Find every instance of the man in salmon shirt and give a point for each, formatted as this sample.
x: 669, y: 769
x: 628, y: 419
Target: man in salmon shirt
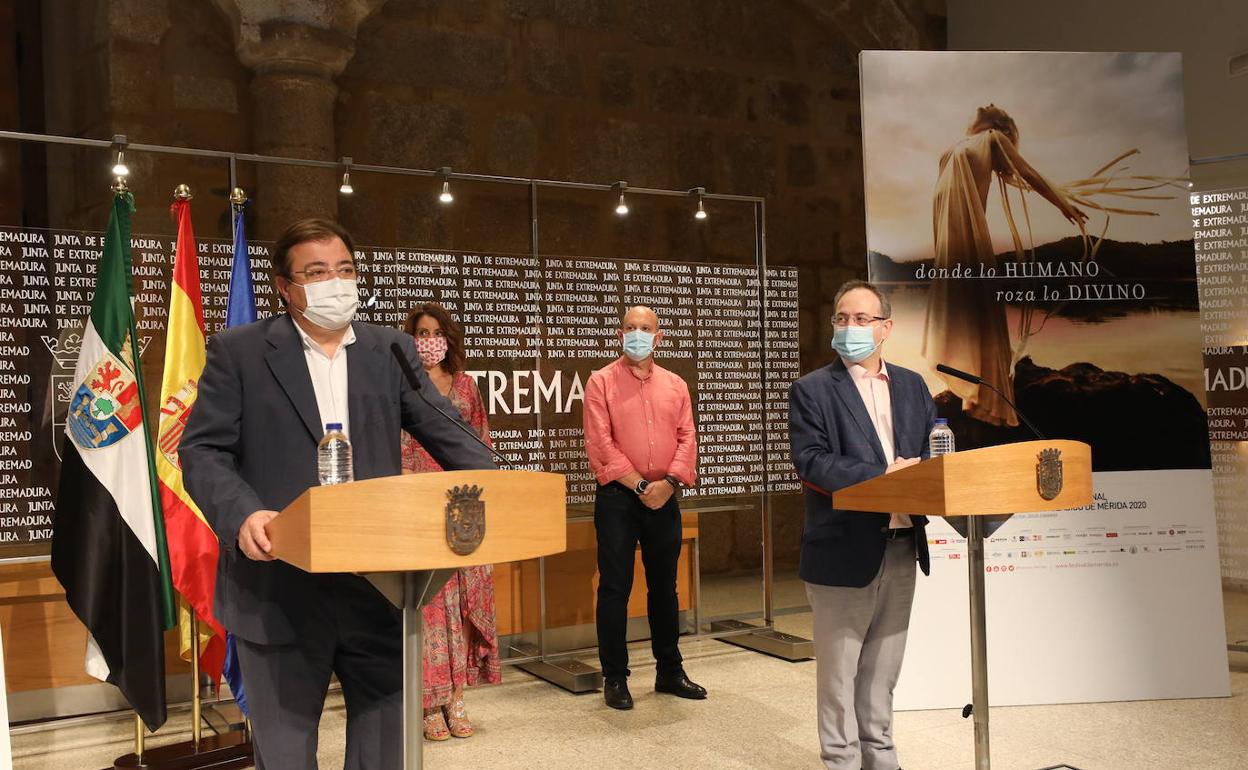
x: 642, y: 446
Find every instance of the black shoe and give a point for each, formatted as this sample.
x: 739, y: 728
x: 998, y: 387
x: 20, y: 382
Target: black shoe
x: 679, y: 685
x: 615, y: 692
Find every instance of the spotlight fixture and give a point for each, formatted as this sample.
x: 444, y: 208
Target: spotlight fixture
x: 621, y: 208
x: 120, y: 169
x: 345, y: 188
x: 701, y: 212
x: 445, y: 196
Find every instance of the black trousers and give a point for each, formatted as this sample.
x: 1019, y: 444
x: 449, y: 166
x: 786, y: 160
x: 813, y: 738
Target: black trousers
x: 355, y: 633
x: 622, y: 522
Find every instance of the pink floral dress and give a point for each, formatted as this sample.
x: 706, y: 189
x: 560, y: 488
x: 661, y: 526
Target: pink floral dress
x: 461, y: 636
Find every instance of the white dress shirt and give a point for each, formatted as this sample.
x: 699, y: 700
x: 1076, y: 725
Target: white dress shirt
x: 873, y: 387
x: 329, y: 378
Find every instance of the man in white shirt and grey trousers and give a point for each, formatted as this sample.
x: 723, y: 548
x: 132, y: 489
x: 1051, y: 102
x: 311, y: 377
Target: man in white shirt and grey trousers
x: 850, y: 421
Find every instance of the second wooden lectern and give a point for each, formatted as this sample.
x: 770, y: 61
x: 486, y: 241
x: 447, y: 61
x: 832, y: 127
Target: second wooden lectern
x: 1014, y: 478
x: 417, y: 528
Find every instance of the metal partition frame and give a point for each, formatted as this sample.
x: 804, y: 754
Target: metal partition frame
x: 542, y: 654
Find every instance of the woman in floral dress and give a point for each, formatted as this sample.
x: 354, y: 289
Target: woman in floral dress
x: 461, y: 638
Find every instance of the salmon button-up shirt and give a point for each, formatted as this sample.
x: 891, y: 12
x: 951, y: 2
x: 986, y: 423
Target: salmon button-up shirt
x: 643, y: 425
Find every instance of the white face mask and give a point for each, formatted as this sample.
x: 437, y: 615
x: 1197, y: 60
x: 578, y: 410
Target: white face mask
x: 331, y: 303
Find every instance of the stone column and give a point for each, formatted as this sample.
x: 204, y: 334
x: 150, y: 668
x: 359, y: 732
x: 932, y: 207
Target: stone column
x: 296, y: 48
x: 293, y: 95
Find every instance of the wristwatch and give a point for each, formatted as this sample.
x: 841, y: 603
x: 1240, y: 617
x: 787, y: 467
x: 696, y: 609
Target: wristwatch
x: 641, y: 486
x: 675, y: 482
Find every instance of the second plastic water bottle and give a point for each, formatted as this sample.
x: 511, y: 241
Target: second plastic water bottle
x: 333, y: 456
x: 941, y: 438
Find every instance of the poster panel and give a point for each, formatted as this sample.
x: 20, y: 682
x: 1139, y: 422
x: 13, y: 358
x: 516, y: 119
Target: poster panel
x: 1027, y: 214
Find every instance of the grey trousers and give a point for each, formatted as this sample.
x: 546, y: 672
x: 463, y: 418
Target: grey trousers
x: 860, y: 638
x: 357, y: 635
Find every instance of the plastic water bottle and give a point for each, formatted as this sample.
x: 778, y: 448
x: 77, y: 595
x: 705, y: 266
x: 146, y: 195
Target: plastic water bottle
x: 333, y: 456
x: 941, y: 438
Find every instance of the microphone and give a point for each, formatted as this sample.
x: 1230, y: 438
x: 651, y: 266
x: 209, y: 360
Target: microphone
x: 414, y: 381
x: 961, y: 375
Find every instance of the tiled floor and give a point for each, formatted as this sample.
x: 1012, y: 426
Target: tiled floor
x: 761, y: 715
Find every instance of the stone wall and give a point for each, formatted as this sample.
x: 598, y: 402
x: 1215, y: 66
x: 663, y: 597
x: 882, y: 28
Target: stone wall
x: 752, y: 98
x: 10, y: 117
x: 738, y: 96
x: 159, y: 72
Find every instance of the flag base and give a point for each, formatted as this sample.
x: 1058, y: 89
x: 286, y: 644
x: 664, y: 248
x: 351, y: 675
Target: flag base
x: 216, y: 752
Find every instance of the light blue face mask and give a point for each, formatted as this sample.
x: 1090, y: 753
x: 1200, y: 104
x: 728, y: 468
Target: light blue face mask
x: 854, y: 343
x: 638, y: 345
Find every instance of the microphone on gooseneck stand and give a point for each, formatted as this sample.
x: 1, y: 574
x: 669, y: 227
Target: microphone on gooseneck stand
x: 414, y: 381
x: 961, y: 375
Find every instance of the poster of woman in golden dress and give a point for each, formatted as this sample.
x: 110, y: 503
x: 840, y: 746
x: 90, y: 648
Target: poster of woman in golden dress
x: 966, y: 327
x: 1071, y: 286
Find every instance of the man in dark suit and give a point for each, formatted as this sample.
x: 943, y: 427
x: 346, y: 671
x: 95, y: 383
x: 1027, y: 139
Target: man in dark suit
x: 250, y: 448
x: 848, y: 422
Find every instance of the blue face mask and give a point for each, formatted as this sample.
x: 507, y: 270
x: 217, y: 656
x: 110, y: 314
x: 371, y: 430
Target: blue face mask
x: 638, y: 345
x: 854, y: 343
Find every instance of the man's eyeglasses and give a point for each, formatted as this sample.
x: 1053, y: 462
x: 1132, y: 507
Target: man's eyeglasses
x: 323, y: 273
x: 858, y: 319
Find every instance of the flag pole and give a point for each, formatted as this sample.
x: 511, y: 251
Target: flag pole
x: 238, y: 200
x: 183, y: 193
x: 119, y: 187
x: 195, y: 688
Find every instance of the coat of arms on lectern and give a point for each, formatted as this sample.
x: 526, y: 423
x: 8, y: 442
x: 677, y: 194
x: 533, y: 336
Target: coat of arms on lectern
x: 1049, y: 473
x: 465, y: 519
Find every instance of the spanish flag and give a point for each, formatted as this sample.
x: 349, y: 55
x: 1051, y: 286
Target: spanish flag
x: 192, y: 544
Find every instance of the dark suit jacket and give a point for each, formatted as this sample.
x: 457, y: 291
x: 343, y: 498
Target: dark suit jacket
x: 250, y: 445
x: 834, y: 446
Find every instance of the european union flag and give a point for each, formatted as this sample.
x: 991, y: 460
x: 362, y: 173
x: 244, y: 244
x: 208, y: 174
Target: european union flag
x: 240, y: 309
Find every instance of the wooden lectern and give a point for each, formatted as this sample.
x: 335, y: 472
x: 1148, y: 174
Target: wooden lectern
x: 415, y: 529
x: 1014, y: 478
